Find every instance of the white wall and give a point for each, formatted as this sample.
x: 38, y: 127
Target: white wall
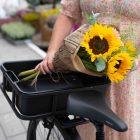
x: 9, y: 7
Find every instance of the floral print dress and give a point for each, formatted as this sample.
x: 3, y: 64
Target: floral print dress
x: 125, y: 96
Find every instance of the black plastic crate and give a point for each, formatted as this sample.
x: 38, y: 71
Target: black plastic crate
x: 46, y: 97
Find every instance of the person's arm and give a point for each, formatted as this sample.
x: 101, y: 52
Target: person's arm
x: 61, y: 29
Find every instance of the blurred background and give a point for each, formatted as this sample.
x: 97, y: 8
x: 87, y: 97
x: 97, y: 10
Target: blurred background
x: 25, y: 32
x: 32, y: 19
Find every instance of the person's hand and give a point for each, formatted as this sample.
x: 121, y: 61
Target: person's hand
x: 46, y: 66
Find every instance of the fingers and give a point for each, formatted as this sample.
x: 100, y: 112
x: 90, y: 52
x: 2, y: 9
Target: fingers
x: 46, y: 66
x: 50, y: 64
x: 42, y: 68
x: 37, y: 67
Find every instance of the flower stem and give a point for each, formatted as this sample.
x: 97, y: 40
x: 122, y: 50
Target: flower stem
x: 32, y: 76
x: 28, y: 72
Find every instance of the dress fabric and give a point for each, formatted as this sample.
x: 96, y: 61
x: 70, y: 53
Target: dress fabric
x: 125, y: 96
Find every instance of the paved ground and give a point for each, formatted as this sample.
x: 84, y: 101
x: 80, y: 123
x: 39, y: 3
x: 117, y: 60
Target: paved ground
x: 11, y: 128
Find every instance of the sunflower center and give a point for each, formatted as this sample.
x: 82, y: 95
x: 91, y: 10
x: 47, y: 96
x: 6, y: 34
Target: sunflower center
x: 117, y: 66
x: 98, y: 45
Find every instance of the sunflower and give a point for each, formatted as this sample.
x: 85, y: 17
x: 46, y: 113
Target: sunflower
x: 130, y: 45
x: 118, y: 66
x: 131, y: 49
x: 101, y: 40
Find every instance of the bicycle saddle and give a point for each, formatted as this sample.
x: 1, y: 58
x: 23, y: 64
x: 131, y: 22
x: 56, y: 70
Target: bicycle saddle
x: 92, y: 104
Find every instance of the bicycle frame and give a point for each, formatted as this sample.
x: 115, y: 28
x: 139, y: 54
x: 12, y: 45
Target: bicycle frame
x: 70, y: 132
x: 11, y: 83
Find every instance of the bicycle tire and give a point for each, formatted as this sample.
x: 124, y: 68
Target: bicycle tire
x: 32, y: 131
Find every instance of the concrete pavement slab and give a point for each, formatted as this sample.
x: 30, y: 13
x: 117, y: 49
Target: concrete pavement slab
x: 11, y: 125
x: 25, y: 124
x: 4, y: 107
x: 2, y: 136
x: 11, y: 128
x: 18, y: 137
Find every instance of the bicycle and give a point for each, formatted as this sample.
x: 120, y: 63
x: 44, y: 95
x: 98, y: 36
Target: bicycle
x: 48, y: 104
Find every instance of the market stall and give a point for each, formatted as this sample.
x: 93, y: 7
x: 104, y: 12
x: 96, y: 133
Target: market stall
x: 32, y: 20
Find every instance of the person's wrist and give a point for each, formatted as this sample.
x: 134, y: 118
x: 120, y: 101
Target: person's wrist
x: 52, y: 50
x: 50, y: 53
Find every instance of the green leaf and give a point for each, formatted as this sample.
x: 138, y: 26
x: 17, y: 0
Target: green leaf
x: 18, y: 30
x: 131, y: 53
x: 89, y: 65
x: 100, y: 64
x: 83, y: 54
x: 124, y: 37
x: 92, y: 17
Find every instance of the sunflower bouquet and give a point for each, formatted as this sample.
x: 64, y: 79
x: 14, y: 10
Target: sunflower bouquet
x: 98, y: 50
x: 104, y: 51
x: 95, y: 49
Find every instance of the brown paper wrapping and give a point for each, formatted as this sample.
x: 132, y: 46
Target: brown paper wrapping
x: 66, y: 59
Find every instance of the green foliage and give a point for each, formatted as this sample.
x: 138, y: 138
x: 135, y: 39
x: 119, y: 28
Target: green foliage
x: 83, y: 54
x: 89, y: 65
x: 91, y: 18
x: 100, y: 64
x: 130, y: 52
x: 86, y: 60
x: 18, y: 30
x: 124, y: 37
